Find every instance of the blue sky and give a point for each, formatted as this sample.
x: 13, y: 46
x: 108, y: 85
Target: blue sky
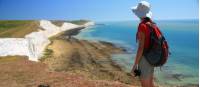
x: 98, y: 10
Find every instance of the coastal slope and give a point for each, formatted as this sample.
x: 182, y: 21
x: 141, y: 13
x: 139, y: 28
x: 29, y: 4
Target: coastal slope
x: 18, y: 71
x: 67, y: 62
x: 89, y: 59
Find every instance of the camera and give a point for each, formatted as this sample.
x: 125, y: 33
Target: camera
x: 137, y: 72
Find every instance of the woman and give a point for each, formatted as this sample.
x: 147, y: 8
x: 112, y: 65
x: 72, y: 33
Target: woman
x: 142, y: 11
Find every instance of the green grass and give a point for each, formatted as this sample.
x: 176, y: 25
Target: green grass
x: 60, y: 22
x: 17, y: 28
x: 11, y: 58
x: 20, y: 28
x: 10, y: 24
x: 57, y: 22
x: 47, y: 53
x: 79, y: 22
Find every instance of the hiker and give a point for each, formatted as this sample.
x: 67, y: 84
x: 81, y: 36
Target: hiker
x: 152, y: 48
x: 142, y: 11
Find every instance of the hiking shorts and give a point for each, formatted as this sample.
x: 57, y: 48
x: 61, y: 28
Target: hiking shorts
x: 146, y: 69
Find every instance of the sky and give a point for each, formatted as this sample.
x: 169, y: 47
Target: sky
x: 97, y: 10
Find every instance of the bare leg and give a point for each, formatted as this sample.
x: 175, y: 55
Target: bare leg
x: 151, y: 81
x: 147, y: 82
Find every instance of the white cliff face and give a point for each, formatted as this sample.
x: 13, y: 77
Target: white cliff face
x: 13, y: 46
x: 34, y: 43
x: 89, y: 24
x: 68, y: 26
x: 37, y: 41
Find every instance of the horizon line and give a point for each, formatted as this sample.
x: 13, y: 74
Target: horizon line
x: 101, y: 20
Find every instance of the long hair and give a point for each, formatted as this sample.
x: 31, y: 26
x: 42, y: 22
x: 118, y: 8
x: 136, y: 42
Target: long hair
x: 147, y: 19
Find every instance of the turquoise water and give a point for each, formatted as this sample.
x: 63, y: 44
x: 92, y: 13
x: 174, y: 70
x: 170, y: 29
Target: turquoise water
x: 182, y: 36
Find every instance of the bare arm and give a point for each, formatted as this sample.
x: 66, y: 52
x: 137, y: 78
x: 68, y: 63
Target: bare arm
x: 140, y: 47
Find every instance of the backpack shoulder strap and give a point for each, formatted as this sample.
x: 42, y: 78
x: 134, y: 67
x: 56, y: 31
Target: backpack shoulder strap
x: 152, y: 34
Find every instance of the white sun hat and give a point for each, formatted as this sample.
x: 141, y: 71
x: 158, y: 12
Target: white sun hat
x: 142, y: 10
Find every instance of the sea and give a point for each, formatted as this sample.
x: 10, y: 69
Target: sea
x: 182, y: 67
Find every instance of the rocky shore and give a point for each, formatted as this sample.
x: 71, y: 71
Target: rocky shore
x: 89, y: 59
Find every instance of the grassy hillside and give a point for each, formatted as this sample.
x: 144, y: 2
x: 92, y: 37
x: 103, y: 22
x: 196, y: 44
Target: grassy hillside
x: 20, y: 28
x: 60, y: 22
x: 17, y: 28
x: 79, y: 22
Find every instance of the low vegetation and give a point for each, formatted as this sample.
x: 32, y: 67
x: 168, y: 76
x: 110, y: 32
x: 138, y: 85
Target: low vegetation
x: 10, y: 58
x: 20, y: 28
x: 79, y: 22
x: 47, y: 53
x: 17, y: 28
x: 60, y: 22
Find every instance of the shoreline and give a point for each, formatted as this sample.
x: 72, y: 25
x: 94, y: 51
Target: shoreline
x: 73, y: 56
x: 174, y: 75
x: 82, y: 57
x: 76, y: 46
x: 33, y: 44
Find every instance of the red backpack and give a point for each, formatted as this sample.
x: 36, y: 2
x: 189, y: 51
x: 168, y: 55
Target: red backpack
x: 158, y: 51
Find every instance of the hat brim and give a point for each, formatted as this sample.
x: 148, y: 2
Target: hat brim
x: 134, y: 9
x: 141, y: 14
